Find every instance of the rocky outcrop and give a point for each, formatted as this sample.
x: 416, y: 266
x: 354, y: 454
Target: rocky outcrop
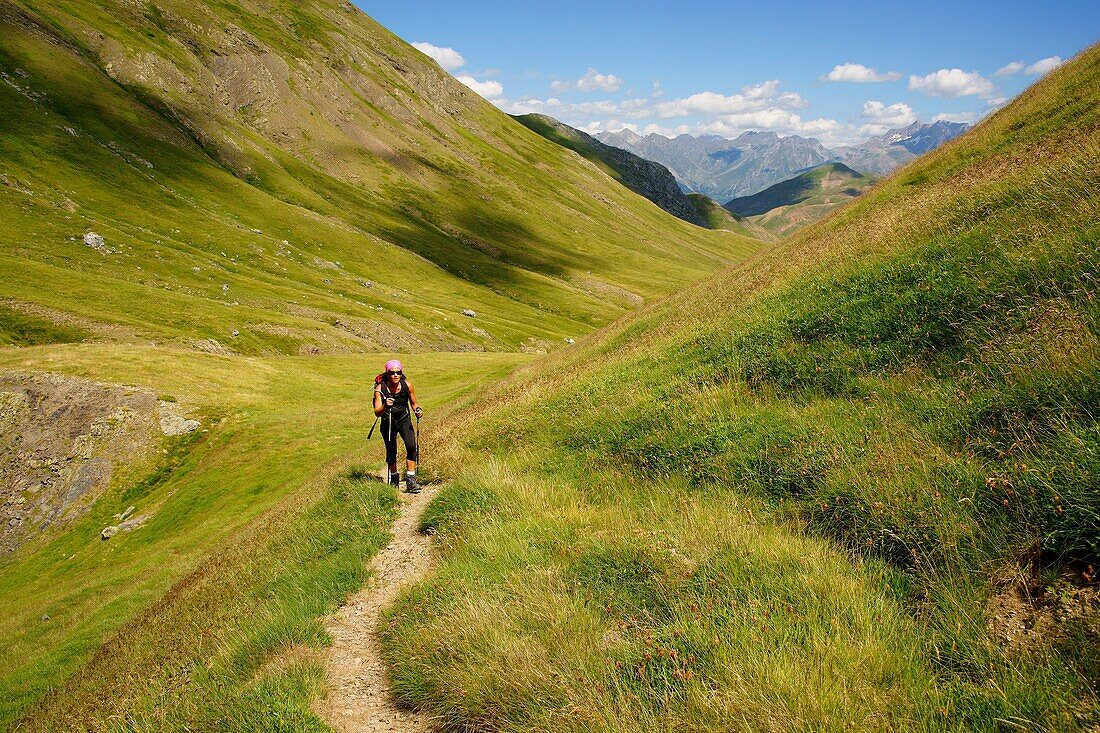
x: 96, y: 242
x: 63, y: 439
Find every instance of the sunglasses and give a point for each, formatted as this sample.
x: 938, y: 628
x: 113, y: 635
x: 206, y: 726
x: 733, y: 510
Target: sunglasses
x: 397, y: 373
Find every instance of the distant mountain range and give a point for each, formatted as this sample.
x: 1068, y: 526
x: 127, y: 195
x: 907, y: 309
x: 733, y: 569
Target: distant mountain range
x: 644, y: 177
x: 725, y: 169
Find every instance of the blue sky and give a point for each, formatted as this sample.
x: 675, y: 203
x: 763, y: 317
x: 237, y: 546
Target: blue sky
x: 840, y: 72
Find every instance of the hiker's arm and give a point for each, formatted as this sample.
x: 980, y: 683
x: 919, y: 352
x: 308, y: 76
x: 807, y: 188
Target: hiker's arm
x: 412, y: 399
x: 379, y: 405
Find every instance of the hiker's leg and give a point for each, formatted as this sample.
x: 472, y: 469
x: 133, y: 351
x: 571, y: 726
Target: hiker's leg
x: 412, y: 450
x: 389, y: 437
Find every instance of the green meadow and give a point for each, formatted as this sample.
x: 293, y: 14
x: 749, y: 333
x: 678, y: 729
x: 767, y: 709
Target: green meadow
x: 367, y: 220
x: 260, y: 524
x: 287, y: 195
x: 818, y: 507
x: 844, y: 481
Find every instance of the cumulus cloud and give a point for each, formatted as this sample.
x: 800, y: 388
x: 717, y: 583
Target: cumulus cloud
x: 763, y: 90
x: 527, y: 106
x: 448, y: 58
x: 894, y: 116
x: 612, y: 125
x: 968, y: 117
x: 1044, y: 66
x: 782, y: 122
x: 753, y: 98
x: 1013, y: 67
x: 762, y: 107
x: 952, y: 83
x: 592, y: 81
x: 487, y: 89
x: 859, y: 74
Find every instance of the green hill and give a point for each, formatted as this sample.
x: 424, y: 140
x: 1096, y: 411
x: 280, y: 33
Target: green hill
x: 792, y: 204
x: 644, y: 177
x: 848, y: 485
x: 718, y: 217
x: 284, y: 177
x: 236, y: 211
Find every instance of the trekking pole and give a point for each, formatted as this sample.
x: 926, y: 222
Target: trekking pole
x: 419, y: 447
x: 372, y: 427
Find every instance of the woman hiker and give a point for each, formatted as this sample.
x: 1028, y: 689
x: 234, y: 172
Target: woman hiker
x: 393, y: 396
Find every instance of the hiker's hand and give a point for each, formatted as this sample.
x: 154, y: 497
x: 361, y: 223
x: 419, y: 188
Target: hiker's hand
x: 419, y: 412
x: 389, y: 402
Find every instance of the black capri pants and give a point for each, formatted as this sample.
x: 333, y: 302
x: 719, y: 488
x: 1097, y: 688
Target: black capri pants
x: 391, y: 429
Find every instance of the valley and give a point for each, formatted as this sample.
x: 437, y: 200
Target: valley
x: 825, y: 458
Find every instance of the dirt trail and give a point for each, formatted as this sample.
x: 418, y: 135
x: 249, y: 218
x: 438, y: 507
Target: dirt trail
x: 359, y: 700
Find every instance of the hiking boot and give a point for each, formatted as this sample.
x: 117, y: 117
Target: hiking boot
x: 410, y: 484
x: 395, y: 479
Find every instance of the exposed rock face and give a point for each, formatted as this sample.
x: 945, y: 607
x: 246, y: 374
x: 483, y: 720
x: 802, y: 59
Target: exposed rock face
x: 644, y: 177
x: 128, y: 526
x: 172, y: 422
x: 61, y: 441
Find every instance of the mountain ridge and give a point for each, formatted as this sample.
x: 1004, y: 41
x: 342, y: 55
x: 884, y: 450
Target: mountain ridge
x: 645, y: 177
x: 726, y: 168
x: 802, y: 199
x: 304, y: 147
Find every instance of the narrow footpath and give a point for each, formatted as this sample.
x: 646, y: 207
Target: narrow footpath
x: 359, y: 699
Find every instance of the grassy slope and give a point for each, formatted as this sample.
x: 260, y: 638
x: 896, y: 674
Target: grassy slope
x: 536, y: 123
x: 719, y: 218
x: 253, y: 166
x: 790, y: 513
x: 792, y: 204
x: 197, y: 138
x: 262, y: 485
x: 644, y: 177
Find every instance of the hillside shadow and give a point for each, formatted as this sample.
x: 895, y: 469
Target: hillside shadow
x: 475, y: 241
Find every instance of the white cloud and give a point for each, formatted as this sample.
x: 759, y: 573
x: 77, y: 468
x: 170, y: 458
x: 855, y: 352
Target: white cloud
x: 1044, y: 66
x: 487, y: 89
x: 612, y: 125
x: 658, y: 90
x: 1013, y: 67
x: 783, y: 122
x: 968, y: 117
x: 752, y: 98
x: 448, y: 58
x: 859, y: 73
x: 592, y: 81
x: 952, y: 83
x: 522, y: 106
x: 895, y: 115
x: 761, y: 107
x: 763, y: 90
